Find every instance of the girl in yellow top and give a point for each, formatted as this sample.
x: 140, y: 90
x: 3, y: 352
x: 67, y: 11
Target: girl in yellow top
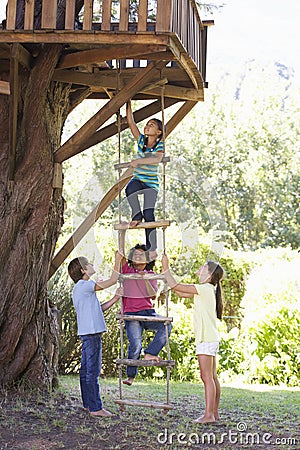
x: 208, y: 306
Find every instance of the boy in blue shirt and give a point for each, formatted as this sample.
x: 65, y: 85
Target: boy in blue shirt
x: 91, y: 325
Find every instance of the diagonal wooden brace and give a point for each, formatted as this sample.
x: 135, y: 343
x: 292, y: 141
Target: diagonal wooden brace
x: 74, y: 144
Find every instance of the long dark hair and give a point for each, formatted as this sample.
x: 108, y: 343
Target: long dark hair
x: 160, y: 127
x: 149, y: 264
x: 217, y: 273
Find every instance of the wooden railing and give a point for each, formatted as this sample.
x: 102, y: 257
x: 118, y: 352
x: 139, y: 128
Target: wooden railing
x: 177, y: 16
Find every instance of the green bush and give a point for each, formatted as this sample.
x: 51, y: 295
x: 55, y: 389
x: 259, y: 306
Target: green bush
x: 276, y: 356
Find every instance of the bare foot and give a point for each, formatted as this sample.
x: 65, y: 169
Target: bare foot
x: 149, y: 357
x: 205, y: 419
x: 134, y: 223
x: 128, y: 381
x: 217, y: 417
x: 102, y: 413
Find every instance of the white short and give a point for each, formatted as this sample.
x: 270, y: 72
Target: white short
x: 207, y: 348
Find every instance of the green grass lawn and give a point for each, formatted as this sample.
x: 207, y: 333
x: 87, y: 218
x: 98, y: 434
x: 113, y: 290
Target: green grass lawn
x: 252, y: 417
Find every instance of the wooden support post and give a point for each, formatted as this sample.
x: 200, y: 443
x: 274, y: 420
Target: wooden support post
x: 13, y: 110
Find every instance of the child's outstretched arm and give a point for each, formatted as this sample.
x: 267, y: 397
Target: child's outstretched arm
x: 100, y: 285
x: 113, y: 300
x: 130, y: 120
x: 182, y: 290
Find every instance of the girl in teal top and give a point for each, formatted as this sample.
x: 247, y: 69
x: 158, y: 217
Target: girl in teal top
x: 208, y: 307
x: 145, y: 176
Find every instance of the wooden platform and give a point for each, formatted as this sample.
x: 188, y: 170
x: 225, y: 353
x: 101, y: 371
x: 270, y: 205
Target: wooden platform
x: 145, y: 363
x: 156, y: 224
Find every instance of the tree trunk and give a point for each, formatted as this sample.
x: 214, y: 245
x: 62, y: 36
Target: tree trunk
x: 31, y: 215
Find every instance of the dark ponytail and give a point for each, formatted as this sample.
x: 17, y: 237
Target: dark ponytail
x: 216, y: 276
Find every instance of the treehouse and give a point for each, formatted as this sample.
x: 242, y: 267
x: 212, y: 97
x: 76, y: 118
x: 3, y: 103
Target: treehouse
x: 110, y: 50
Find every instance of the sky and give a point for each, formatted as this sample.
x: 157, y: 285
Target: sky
x: 265, y: 30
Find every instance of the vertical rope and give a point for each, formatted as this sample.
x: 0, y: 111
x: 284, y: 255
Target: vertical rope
x: 162, y: 101
x: 119, y: 141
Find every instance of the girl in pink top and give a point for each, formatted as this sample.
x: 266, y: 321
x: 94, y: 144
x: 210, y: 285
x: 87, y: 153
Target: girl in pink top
x: 137, y: 300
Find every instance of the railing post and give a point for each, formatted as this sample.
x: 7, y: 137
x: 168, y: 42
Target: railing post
x: 11, y: 14
x: 88, y: 15
x: 29, y: 15
x: 49, y: 8
x: 70, y: 15
x: 143, y: 15
x: 163, y: 15
x: 106, y: 15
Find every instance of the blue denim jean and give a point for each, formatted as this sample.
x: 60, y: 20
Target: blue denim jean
x: 133, y: 189
x: 134, y: 331
x: 91, y: 358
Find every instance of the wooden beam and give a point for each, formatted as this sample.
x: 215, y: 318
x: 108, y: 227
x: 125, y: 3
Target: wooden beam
x: 24, y: 57
x: 4, y: 87
x: 72, y: 146
x: 98, y: 55
x: 179, y: 92
x: 111, y: 130
x: 88, y: 38
x: 108, y: 78
x: 86, y: 225
x: 13, y: 109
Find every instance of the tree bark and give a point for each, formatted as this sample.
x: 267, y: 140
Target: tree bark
x: 31, y: 215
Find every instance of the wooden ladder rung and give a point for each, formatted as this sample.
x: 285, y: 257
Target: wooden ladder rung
x: 124, y: 165
x: 145, y: 362
x: 137, y: 276
x: 156, y: 405
x: 156, y: 224
x: 144, y: 318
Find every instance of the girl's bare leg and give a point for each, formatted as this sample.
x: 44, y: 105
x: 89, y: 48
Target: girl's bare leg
x: 206, y: 372
x: 218, y: 389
